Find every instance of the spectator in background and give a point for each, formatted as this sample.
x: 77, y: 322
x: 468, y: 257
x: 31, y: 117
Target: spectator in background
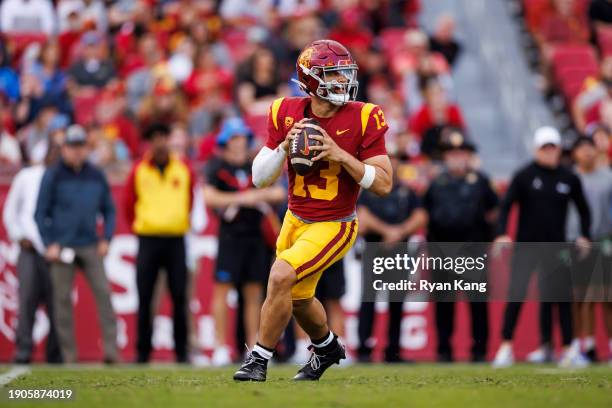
x: 244, y: 256
x: 34, y: 137
x: 208, y: 90
x: 90, y: 13
x: 542, y: 189
x: 73, y: 195
x: 461, y: 204
x: 107, y: 151
x: 415, y: 48
x: 586, y: 105
x: 351, y: 32
x: 9, y: 80
x: 138, y: 67
x: 600, y: 13
x: 394, y: 218
x: 209, y: 84
x: 10, y: 153
x: 603, y: 144
x: 443, y: 39
x: 94, y: 69
x: 414, y: 80
x: 166, y: 104
x: 565, y: 24
x: 46, y: 84
x: 158, y: 202
x: 69, y: 38
x: 32, y: 268
x: 259, y: 82
x: 117, y: 124
x: 27, y: 16
x: 597, y: 184
x: 437, y: 110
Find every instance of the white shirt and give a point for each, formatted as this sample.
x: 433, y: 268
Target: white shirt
x: 20, y: 205
x: 32, y: 16
x: 94, y: 11
x: 9, y: 149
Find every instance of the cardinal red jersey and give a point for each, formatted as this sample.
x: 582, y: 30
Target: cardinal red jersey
x: 328, y: 192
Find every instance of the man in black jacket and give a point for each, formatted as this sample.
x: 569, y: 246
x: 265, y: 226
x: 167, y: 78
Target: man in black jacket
x: 543, y: 190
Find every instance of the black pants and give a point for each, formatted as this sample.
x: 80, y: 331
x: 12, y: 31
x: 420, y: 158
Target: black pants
x: 366, y: 324
x: 155, y: 253
x: 554, y: 283
x: 445, y: 325
x: 34, y: 289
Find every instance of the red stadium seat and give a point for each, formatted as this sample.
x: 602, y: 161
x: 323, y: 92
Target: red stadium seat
x: 17, y: 43
x: 84, y: 107
x: 238, y: 44
x: 604, y: 39
x: 579, y: 56
x: 576, y: 74
x: 391, y: 39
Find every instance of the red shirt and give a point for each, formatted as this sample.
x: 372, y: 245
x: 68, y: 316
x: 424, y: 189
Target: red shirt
x: 329, y: 192
x: 423, y: 119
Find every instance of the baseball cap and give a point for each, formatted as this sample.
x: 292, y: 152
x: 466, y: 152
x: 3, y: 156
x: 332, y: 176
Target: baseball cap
x: 75, y: 135
x: 233, y: 127
x: 455, y: 139
x: 546, y: 135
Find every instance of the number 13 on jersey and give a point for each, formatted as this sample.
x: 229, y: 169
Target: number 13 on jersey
x: 330, y: 174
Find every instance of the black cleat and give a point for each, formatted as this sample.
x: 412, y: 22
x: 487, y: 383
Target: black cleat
x: 319, y: 362
x: 253, y: 369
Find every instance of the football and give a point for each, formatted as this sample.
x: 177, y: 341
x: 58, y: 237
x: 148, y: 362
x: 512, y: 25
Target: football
x: 300, y: 152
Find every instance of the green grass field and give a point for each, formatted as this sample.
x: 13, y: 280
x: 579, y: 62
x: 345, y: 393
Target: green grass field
x: 367, y: 386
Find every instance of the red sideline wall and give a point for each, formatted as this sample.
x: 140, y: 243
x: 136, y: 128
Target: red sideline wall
x: 418, y: 332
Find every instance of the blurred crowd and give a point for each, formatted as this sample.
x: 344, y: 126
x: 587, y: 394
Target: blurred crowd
x: 115, y: 66
x: 112, y: 82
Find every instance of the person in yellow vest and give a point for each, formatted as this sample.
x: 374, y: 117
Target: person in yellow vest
x: 158, y: 201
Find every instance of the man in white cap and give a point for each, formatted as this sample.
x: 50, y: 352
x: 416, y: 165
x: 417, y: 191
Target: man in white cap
x: 543, y: 190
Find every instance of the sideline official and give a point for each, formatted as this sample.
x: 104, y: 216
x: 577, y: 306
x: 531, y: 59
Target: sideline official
x: 158, y: 201
x: 460, y: 203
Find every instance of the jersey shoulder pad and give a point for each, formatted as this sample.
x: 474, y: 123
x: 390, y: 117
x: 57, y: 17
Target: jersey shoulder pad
x: 283, y: 108
x: 366, y: 112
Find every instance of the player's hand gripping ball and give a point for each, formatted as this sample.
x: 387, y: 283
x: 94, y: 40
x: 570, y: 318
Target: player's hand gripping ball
x: 300, y: 152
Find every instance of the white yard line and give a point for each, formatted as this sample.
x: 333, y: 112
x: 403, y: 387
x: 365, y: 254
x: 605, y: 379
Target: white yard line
x: 12, y: 374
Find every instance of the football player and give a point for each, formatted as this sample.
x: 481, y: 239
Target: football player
x: 320, y: 225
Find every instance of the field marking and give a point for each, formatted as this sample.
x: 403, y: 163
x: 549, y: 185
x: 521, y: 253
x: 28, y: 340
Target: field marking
x: 12, y: 374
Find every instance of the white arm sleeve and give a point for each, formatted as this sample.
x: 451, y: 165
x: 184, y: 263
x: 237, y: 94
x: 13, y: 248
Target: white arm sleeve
x: 267, y: 166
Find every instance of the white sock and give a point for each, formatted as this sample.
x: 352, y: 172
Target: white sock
x: 328, y: 340
x: 575, y: 345
x: 588, y: 343
x: 267, y: 354
x: 302, y: 343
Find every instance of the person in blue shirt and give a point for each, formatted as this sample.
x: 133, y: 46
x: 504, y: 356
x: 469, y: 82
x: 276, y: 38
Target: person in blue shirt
x: 9, y: 80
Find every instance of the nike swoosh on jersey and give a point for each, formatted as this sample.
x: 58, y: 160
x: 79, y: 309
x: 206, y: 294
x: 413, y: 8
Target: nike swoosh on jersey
x: 339, y: 132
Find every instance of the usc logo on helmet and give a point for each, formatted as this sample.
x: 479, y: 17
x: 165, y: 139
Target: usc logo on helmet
x: 305, y: 57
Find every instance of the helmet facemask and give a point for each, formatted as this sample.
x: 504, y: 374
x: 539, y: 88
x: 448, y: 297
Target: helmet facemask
x: 330, y: 88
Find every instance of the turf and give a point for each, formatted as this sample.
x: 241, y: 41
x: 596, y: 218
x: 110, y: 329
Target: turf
x: 367, y: 386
